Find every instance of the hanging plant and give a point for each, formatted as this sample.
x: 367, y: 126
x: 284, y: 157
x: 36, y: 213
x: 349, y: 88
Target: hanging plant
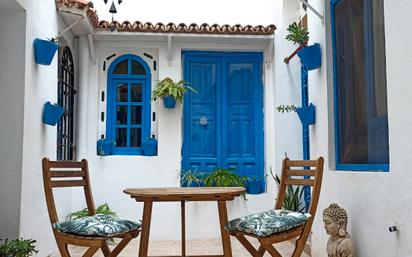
x: 298, y: 34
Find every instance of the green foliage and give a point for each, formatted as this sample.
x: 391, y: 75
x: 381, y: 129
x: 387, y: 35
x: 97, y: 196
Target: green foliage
x: 102, y: 209
x: 286, y: 108
x: 191, y: 178
x: 167, y: 87
x: 225, y: 178
x: 293, y: 196
x: 298, y: 34
x: 18, y: 248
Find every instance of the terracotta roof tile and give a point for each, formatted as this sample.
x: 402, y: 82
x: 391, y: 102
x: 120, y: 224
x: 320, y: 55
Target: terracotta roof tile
x: 204, y: 28
x: 138, y: 26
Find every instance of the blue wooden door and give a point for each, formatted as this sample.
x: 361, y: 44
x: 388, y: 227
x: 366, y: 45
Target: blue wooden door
x: 223, y: 121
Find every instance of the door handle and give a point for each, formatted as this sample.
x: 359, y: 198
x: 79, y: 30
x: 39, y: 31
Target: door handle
x: 203, y: 121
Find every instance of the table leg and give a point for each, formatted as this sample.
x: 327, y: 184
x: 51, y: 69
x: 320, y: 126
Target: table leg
x: 145, y: 229
x: 182, y: 205
x: 227, y: 250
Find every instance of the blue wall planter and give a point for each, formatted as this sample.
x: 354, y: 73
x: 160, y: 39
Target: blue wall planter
x: 310, y: 56
x: 255, y: 186
x: 52, y: 113
x: 44, y: 51
x: 307, y: 115
x: 169, y: 102
x: 104, y: 147
x: 149, y: 147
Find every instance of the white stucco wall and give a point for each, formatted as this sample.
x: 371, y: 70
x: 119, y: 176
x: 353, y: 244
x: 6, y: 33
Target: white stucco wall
x: 374, y: 200
x: 25, y: 87
x: 111, y: 174
x: 12, y: 44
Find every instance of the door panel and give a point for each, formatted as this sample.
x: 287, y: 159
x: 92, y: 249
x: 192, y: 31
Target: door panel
x: 202, y: 115
x: 223, y: 122
x: 242, y: 116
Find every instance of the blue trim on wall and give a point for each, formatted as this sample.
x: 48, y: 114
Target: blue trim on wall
x: 363, y: 167
x: 145, y: 80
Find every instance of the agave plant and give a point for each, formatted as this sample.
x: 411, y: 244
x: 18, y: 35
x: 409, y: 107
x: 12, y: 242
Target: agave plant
x: 167, y: 87
x: 293, y: 196
x: 191, y: 178
x: 298, y: 33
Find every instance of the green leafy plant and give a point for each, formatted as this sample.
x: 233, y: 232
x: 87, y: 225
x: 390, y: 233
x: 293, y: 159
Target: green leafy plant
x: 18, y: 248
x: 225, y: 178
x: 293, y: 196
x: 286, y: 108
x: 298, y: 34
x: 102, y: 209
x: 191, y: 178
x: 167, y: 87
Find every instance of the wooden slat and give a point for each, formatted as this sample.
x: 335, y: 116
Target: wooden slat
x: 65, y: 164
x: 68, y: 183
x: 300, y: 182
x: 301, y: 163
x: 66, y: 173
x: 290, y: 172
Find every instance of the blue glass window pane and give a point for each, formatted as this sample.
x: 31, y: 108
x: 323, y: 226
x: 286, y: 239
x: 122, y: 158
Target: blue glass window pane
x: 121, y: 114
x: 137, y: 68
x: 136, y: 92
x: 122, y: 67
x: 136, y: 114
x: 135, y: 137
x: 122, y: 92
x: 121, y: 137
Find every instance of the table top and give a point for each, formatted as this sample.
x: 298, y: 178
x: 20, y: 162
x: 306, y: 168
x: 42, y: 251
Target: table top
x: 184, y: 193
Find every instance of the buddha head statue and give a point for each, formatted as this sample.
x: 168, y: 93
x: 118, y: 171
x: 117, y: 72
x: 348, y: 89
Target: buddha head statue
x: 335, y: 220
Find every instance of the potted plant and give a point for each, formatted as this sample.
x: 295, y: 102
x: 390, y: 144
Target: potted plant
x: 149, y: 146
x: 307, y: 115
x: 52, y: 113
x: 18, y: 248
x: 170, y: 91
x: 221, y: 177
x: 254, y: 185
x: 191, y: 178
x: 310, y: 56
x: 105, y: 146
x: 44, y: 50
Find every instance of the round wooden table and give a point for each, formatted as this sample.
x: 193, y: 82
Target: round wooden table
x: 183, y: 194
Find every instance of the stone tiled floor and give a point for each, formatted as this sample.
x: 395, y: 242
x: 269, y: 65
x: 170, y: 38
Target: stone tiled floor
x: 195, y: 247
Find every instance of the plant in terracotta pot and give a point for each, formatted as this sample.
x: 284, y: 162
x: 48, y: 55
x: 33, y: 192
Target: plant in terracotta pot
x: 171, y: 91
x: 310, y: 56
x: 18, y: 248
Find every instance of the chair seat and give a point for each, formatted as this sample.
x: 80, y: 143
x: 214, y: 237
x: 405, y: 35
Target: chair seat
x: 267, y: 223
x: 97, y: 225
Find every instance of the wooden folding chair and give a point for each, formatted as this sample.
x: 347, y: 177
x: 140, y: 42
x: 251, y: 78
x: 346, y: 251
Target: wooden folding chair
x: 290, y: 170
x: 75, y: 174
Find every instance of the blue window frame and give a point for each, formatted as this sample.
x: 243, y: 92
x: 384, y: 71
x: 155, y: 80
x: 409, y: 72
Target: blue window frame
x: 361, y: 121
x: 128, y: 104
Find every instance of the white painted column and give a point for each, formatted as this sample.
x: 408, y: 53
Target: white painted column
x: 82, y: 99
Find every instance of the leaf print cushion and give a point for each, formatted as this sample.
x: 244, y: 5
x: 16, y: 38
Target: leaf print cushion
x: 268, y: 222
x: 97, y: 225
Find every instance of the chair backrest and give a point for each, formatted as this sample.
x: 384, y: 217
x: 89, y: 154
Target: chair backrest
x: 294, y: 173
x: 65, y: 174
